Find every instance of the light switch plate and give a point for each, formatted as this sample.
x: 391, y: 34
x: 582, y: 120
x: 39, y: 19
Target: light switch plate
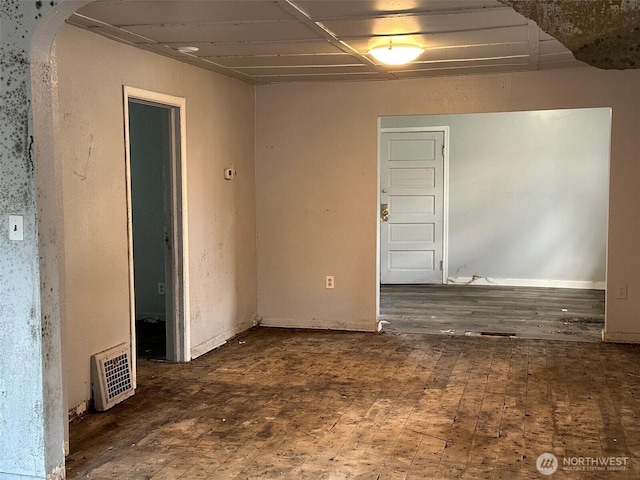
x: 16, y: 228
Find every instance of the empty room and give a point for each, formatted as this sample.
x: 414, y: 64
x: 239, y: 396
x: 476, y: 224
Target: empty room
x: 239, y: 243
x: 520, y: 214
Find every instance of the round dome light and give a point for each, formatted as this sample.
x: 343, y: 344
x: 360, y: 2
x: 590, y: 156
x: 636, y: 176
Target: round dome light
x: 396, y: 54
x: 188, y: 49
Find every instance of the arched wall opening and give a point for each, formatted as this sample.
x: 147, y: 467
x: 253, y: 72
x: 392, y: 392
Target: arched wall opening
x: 80, y: 125
x: 46, y: 134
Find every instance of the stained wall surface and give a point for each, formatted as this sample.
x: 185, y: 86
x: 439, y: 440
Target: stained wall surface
x: 221, y: 214
x: 316, y: 164
x: 31, y: 414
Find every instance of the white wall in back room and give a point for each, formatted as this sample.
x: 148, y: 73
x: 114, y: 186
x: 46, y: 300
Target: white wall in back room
x: 528, y: 195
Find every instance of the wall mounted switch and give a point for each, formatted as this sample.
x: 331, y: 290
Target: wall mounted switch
x: 16, y: 228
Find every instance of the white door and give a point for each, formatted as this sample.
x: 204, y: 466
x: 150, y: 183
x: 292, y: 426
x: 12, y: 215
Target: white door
x: 412, y: 206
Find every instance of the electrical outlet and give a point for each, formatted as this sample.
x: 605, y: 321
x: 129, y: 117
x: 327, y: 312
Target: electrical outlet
x: 160, y: 288
x: 621, y: 292
x: 230, y: 173
x: 329, y: 283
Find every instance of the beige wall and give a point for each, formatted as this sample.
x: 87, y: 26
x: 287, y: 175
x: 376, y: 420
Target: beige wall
x: 222, y: 247
x: 316, y: 190
x: 316, y: 171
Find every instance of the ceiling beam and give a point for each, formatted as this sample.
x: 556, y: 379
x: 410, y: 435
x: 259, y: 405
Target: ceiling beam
x: 328, y: 35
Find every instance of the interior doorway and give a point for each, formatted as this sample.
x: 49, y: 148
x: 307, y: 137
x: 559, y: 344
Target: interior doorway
x: 156, y: 163
x: 526, y: 206
x: 150, y: 150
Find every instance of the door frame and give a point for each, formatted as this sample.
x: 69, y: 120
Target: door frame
x: 179, y: 231
x: 445, y: 213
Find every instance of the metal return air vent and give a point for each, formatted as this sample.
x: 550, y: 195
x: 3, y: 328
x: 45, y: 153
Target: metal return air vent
x: 111, y: 379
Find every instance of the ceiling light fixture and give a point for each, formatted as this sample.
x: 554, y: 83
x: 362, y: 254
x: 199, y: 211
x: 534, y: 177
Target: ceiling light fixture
x: 396, y: 54
x: 188, y: 49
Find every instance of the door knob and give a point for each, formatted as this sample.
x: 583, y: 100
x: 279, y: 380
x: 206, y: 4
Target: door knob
x: 384, y: 212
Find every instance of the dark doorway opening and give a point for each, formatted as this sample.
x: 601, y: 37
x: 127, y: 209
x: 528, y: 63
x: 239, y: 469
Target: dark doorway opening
x: 150, y: 150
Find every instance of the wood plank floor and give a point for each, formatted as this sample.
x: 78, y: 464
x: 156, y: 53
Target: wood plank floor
x: 543, y: 313
x: 287, y: 404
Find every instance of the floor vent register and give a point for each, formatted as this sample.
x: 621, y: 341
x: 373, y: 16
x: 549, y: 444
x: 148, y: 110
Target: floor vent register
x: 111, y: 379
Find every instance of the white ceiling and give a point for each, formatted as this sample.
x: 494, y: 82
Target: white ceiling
x: 323, y: 40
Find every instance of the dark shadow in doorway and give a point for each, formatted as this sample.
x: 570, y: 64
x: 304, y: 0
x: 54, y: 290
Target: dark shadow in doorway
x: 151, y: 339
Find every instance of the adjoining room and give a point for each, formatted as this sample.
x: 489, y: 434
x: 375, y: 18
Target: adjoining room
x: 515, y: 203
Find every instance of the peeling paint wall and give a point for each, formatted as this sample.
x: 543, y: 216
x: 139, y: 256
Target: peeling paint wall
x: 601, y: 33
x: 31, y: 425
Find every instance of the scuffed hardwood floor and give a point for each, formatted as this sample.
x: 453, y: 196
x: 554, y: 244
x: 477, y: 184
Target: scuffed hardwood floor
x: 542, y: 313
x: 290, y: 404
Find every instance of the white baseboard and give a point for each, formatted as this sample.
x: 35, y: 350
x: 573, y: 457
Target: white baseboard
x: 526, y: 282
x: 621, y: 337
x: 317, y: 324
x: 218, y: 340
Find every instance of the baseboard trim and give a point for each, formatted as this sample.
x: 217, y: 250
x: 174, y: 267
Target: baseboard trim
x: 527, y: 282
x: 317, y: 324
x: 218, y: 340
x: 621, y: 337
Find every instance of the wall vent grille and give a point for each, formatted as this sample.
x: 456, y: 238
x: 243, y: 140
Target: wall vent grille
x: 111, y: 378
